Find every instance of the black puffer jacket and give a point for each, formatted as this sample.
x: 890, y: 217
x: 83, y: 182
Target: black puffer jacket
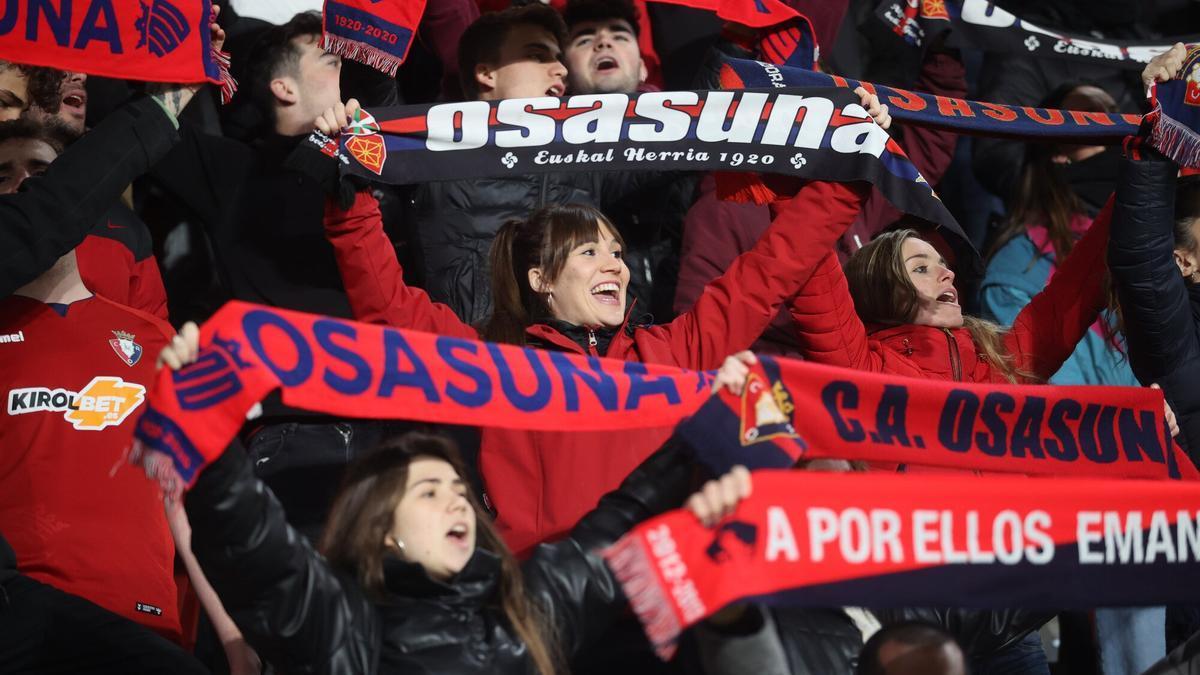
x: 304, y: 617
x: 1161, y: 310
x: 453, y: 224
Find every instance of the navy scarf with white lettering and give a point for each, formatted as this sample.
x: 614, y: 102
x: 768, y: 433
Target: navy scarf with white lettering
x: 812, y: 133
x: 981, y: 24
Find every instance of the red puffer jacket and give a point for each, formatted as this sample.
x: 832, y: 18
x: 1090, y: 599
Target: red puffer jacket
x: 1041, y: 338
x: 541, y: 483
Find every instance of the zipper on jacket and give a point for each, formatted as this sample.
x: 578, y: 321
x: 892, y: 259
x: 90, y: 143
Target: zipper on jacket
x: 592, y: 342
x: 955, y: 358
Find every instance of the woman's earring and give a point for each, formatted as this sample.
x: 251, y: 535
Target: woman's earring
x: 399, y: 545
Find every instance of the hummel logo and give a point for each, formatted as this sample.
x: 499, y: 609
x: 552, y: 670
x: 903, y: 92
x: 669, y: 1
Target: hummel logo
x: 18, y: 336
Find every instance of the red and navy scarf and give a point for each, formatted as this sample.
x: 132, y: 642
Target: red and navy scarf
x: 147, y: 40
x: 890, y: 540
x: 376, y: 33
x: 791, y: 410
x: 981, y: 24
x: 952, y: 114
x: 820, y: 134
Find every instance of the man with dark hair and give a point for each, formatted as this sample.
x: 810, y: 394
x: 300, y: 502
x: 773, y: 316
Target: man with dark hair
x: 516, y: 53
x: 911, y: 648
x: 602, y: 47
x: 291, y: 79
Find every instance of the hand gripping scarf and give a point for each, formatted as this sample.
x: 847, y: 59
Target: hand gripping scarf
x: 372, y: 32
x: 349, y: 369
x: 147, y: 40
x: 820, y: 134
x: 981, y: 24
x: 891, y: 540
x: 1175, y: 120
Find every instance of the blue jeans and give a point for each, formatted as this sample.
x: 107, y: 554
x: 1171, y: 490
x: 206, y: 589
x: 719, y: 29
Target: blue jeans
x: 1023, y: 658
x: 1130, y: 639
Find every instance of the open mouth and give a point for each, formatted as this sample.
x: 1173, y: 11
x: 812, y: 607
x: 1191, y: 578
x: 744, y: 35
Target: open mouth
x: 608, y: 293
x: 949, y: 298
x: 458, y: 534
x: 75, y: 101
x: 556, y: 90
x: 606, y: 63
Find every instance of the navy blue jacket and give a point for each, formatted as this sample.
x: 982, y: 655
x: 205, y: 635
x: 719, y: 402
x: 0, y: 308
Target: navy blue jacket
x: 1161, y: 309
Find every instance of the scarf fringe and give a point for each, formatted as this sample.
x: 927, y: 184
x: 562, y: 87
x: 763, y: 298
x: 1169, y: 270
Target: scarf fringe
x: 229, y: 86
x: 631, y: 564
x: 363, y: 53
x: 1176, y: 140
x: 746, y: 188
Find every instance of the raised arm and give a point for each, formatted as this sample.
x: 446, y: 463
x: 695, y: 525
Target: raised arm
x: 284, y: 597
x: 734, y: 309
x: 1046, y: 331
x: 1154, y: 297
x: 52, y: 213
x: 373, y: 277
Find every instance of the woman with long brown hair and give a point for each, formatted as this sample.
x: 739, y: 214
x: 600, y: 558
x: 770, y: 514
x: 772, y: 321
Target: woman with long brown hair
x: 895, y: 308
x: 559, y: 283
x: 410, y: 576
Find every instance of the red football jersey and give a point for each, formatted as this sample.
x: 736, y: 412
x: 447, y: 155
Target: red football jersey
x: 77, y: 516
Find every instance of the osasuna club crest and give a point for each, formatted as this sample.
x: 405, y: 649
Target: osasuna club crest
x: 766, y: 411
x: 123, y: 344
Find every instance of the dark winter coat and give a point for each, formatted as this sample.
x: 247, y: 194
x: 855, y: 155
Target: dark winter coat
x: 303, y: 616
x: 1161, y: 310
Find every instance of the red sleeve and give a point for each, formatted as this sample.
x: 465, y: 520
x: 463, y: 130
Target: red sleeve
x: 373, y: 277
x: 735, y: 309
x: 714, y: 233
x: 1047, y: 330
x: 146, y: 291
x: 830, y: 331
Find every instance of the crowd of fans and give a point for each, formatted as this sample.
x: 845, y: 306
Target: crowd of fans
x: 130, y: 212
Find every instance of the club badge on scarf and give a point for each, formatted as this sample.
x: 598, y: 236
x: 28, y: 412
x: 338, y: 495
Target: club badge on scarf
x: 952, y: 114
x: 887, y: 540
x: 791, y: 411
x: 981, y: 24
x: 821, y: 134
x: 372, y: 32
x: 1175, y: 120
x: 145, y: 40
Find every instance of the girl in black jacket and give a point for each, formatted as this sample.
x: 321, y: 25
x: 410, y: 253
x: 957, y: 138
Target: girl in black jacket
x: 413, y: 579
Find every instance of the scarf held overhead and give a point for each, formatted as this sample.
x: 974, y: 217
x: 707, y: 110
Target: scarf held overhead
x: 886, y: 540
x: 371, y: 32
x: 951, y: 114
x: 981, y: 24
x: 147, y: 40
x: 349, y: 369
x: 820, y: 134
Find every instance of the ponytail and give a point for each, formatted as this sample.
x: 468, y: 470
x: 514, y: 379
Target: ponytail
x: 512, y: 297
